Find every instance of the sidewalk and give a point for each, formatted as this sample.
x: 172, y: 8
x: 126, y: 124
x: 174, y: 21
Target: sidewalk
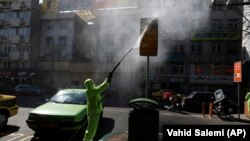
x: 234, y: 117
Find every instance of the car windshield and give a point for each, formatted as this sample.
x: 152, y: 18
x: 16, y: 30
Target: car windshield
x: 69, y: 98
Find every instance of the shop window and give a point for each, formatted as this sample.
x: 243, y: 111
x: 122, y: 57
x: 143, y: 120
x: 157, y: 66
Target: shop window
x: 196, y: 47
x: 216, y: 69
x: 216, y: 47
x: 177, y: 67
x: 229, y: 70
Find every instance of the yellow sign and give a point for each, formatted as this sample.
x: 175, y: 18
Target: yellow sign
x: 237, y: 72
x: 149, y: 41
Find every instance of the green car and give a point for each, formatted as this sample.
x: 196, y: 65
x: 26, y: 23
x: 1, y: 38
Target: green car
x: 65, y: 111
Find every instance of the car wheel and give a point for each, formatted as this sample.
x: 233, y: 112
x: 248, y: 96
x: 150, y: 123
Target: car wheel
x: 3, y: 120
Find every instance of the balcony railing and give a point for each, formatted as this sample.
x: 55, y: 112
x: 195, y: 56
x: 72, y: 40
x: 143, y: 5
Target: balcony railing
x: 23, y: 5
x: 4, y: 55
x: 4, y: 39
x: 4, y: 22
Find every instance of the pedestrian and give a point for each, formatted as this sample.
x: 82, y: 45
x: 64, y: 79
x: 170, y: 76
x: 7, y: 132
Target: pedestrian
x: 94, y: 105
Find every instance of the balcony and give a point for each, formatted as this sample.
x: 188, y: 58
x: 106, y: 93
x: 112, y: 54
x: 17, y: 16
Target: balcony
x: 176, y: 56
x: 4, y: 55
x: 198, y: 58
x: 15, y: 6
x: 4, y: 22
x: 22, y: 22
x: 23, y: 5
x: 19, y: 55
x: 21, y: 38
x: 4, y: 39
x: 223, y: 58
x: 5, y: 6
x: 14, y: 38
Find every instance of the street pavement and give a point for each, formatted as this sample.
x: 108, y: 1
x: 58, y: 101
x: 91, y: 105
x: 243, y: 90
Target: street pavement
x: 114, y: 123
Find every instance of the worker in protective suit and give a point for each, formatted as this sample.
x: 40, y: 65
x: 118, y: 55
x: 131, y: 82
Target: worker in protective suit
x: 248, y: 103
x: 94, y: 105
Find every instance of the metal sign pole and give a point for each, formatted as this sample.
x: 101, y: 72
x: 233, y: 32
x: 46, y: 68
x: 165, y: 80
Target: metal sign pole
x: 238, y: 100
x: 147, y: 78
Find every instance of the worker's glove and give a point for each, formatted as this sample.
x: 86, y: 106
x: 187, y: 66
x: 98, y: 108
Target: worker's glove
x: 109, y: 77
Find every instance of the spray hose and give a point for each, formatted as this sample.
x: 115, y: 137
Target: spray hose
x: 121, y: 61
x: 99, y: 102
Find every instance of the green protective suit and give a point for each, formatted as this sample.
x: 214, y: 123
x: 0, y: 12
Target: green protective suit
x: 248, y: 101
x: 94, y: 110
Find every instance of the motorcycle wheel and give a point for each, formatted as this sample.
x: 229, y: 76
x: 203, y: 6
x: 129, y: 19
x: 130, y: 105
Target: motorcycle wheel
x: 220, y: 111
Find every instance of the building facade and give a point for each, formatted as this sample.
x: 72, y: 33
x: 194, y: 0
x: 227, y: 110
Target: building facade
x: 19, y: 41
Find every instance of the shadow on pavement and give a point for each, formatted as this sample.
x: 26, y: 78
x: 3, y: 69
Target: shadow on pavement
x: 106, y: 126
x: 234, y: 119
x: 9, y: 129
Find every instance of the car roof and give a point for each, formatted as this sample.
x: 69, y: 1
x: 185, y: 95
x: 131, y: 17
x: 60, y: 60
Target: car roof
x: 73, y: 90
x: 201, y: 92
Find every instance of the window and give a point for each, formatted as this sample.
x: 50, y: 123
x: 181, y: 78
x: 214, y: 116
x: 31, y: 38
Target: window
x: 109, y: 56
x: 229, y: 70
x: 49, y: 4
x: 24, y: 64
x: 24, y: 14
x: 233, y: 7
x: 5, y: 49
x: 179, y: 48
x: 197, y: 6
x: 217, y: 24
x: 6, y: 64
x: 50, y: 26
x: 24, y: 31
x: 216, y: 69
x: 109, y: 40
x: 198, y: 69
x: 63, y: 25
x: 196, y: 47
x: 177, y: 67
x: 219, y: 8
x: 62, y: 40
x: 232, y: 24
x: 9, y: 15
x: 232, y: 49
x: 159, y: 69
x: 216, y: 47
x: 49, y: 41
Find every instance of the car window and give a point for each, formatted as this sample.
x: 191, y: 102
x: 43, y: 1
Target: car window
x: 69, y: 98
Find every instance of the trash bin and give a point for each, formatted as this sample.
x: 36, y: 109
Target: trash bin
x: 247, y: 99
x: 143, y: 120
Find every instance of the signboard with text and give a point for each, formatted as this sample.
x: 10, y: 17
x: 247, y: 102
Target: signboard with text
x: 237, y: 72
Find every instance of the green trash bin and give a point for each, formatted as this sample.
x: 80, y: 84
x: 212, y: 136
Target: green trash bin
x: 143, y: 120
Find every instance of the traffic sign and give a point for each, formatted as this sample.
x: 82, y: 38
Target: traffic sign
x: 237, y: 72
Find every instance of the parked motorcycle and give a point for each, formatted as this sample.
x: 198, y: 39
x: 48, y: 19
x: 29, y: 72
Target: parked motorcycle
x: 223, y: 106
x: 174, y: 103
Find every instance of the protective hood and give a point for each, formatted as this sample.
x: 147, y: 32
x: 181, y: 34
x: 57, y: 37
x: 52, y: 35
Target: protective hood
x: 89, y: 84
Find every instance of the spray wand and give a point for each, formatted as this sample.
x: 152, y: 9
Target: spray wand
x: 111, y: 73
